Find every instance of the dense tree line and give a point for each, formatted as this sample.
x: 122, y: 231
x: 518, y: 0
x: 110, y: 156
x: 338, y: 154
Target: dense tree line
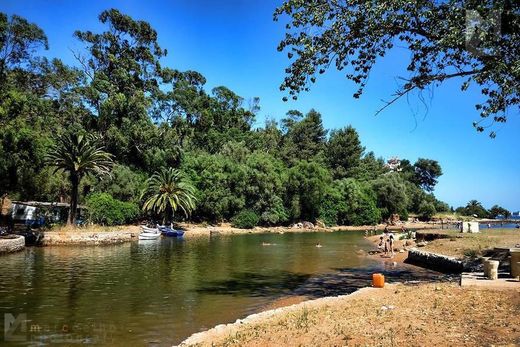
x: 149, y: 117
x: 475, y: 208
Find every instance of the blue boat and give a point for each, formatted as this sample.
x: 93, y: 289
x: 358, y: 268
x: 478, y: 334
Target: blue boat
x: 170, y: 232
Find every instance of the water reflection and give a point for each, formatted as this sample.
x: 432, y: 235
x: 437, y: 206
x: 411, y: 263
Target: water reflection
x: 159, y: 292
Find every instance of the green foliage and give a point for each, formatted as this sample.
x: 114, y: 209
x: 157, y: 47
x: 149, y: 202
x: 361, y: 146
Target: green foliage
x: 103, y: 209
x: 146, y: 116
x: 123, y: 184
x: 361, y: 203
x: 369, y: 168
x: 390, y: 190
x: 19, y: 39
x: 275, y: 213
x: 307, y: 184
x: 305, y: 138
x: 426, y: 173
x: 473, y: 208
x: 245, y: 219
x: 426, y: 210
x: 166, y: 191
x: 220, y: 185
x: 351, y: 36
x: 78, y: 155
x: 496, y: 211
x: 344, y: 152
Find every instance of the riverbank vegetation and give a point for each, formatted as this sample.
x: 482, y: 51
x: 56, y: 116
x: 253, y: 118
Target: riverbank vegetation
x: 147, y: 118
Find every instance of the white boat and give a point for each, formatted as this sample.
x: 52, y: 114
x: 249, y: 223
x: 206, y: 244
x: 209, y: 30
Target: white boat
x: 149, y: 233
x: 148, y: 230
x: 149, y: 236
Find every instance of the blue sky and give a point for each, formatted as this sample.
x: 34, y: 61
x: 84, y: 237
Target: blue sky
x: 233, y: 43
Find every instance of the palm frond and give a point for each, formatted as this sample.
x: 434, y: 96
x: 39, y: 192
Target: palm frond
x: 167, y: 189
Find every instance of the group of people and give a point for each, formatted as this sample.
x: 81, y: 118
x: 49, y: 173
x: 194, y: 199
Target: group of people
x: 386, y: 243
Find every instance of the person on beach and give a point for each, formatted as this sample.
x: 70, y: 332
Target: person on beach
x: 381, y: 240
x: 391, y: 244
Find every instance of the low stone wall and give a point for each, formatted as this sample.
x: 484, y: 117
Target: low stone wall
x: 430, y: 236
x: 434, y: 261
x: 53, y: 238
x: 11, y: 243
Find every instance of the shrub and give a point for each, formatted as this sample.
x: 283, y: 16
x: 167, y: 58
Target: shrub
x: 426, y: 210
x: 275, y: 213
x: 103, y: 209
x: 245, y: 219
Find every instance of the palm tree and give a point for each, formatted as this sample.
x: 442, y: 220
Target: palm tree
x: 78, y: 155
x: 167, y: 192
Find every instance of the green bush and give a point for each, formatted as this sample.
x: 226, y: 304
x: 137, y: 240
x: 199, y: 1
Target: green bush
x: 275, y: 213
x: 426, y: 210
x: 103, y: 209
x: 245, y: 219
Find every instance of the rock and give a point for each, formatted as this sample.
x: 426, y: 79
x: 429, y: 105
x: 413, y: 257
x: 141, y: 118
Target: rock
x: 401, y: 251
x: 320, y: 224
x: 11, y: 243
x: 422, y: 244
x: 308, y: 225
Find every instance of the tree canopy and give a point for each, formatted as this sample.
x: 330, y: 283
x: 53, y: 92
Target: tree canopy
x: 146, y: 117
x: 475, y: 41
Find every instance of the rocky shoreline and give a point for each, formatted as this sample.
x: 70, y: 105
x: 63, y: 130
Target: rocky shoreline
x: 11, y: 243
x: 55, y: 238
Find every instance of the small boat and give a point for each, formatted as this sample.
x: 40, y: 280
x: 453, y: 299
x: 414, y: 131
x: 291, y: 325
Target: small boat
x: 148, y: 230
x: 169, y: 231
x: 149, y: 233
x: 149, y: 236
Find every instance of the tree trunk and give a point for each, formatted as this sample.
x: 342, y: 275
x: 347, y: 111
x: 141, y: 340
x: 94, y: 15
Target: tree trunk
x: 167, y: 218
x: 74, y: 180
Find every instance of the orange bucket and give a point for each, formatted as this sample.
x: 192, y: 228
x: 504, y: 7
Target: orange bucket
x: 378, y: 280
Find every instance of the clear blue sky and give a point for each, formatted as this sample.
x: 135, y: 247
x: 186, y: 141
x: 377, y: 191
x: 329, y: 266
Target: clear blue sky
x: 233, y: 43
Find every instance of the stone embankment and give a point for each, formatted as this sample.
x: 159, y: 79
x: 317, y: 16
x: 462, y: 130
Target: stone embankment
x: 53, y: 238
x: 434, y: 261
x: 11, y: 243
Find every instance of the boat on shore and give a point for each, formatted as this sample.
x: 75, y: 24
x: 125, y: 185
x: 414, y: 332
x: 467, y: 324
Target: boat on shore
x: 149, y: 233
x: 170, y: 231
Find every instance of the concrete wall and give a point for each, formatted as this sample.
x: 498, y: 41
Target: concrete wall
x: 470, y: 227
x: 87, y: 238
x: 434, y: 261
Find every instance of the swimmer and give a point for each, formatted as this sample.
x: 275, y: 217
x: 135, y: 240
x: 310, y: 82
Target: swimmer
x: 318, y: 244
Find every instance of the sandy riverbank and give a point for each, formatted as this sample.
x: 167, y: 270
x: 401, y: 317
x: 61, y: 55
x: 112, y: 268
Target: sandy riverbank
x: 96, y: 234
x: 425, y: 314
x: 192, y: 229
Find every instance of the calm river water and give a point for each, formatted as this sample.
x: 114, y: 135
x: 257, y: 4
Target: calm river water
x: 159, y: 292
